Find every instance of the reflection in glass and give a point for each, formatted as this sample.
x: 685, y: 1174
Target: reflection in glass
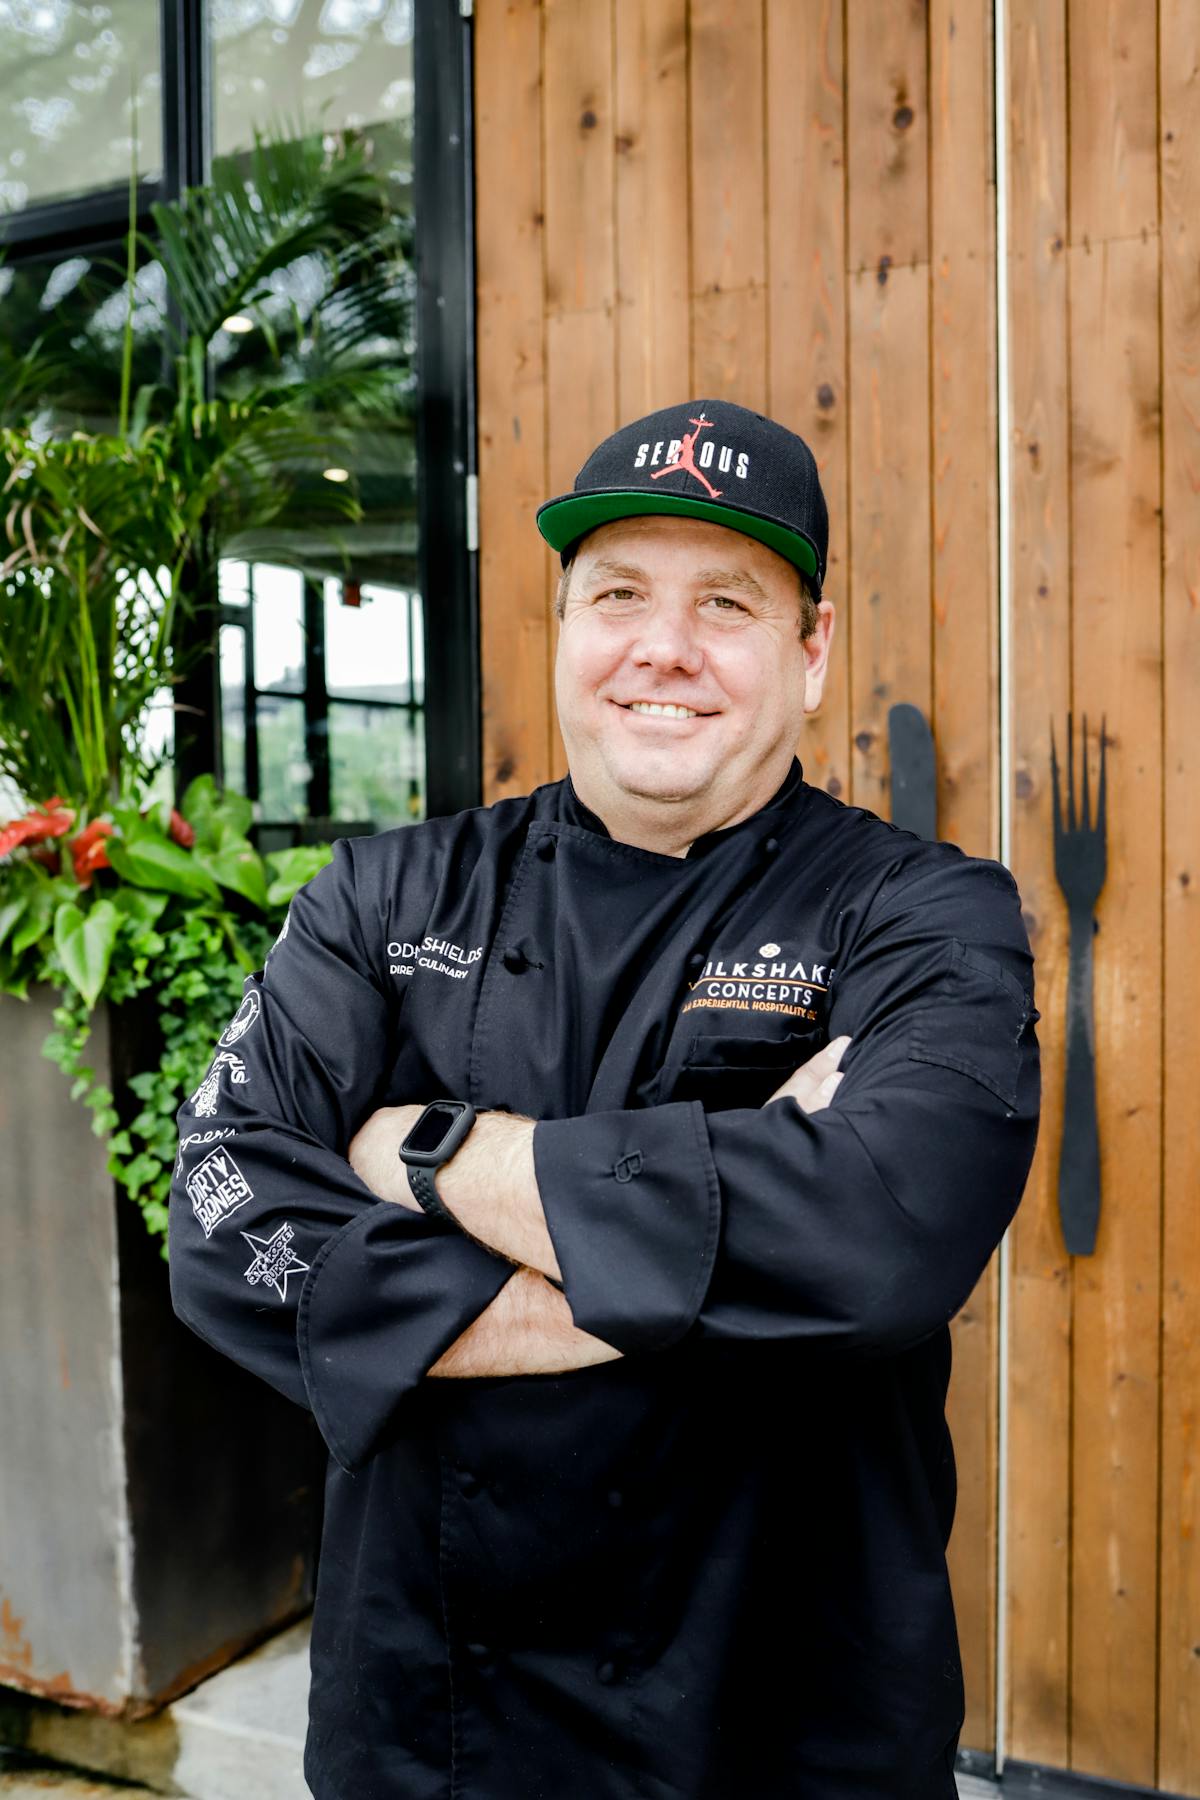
x: 377, y: 764
x: 67, y: 117
x: 342, y: 63
x: 283, y: 769
x: 73, y: 312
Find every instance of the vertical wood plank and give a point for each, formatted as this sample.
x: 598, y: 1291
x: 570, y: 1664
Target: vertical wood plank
x: 1118, y: 671
x: 888, y: 135
x: 580, y: 238
x: 962, y: 233
x: 806, y: 303
x: 1039, y: 1396
x: 965, y: 717
x: 888, y: 349
x: 729, y: 355
x: 1114, y: 128
x: 651, y: 146
x: 514, y: 618
x: 1179, y: 1699
x: 889, y: 515
x: 580, y: 246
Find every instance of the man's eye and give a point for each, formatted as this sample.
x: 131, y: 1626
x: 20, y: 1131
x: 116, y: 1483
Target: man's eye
x: 723, y: 603
x: 617, y: 594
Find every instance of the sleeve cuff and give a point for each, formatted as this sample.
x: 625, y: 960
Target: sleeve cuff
x: 386, y: 1296
x: 633, y: 1208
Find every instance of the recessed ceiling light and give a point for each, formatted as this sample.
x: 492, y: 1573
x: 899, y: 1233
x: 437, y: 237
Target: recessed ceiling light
x: 337, y: 474
x: 237, y: 322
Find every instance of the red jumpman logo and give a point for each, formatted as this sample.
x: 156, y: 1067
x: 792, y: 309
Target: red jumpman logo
x: 687, y: 458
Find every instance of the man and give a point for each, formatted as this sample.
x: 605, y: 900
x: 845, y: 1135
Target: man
x: 633, y: 1376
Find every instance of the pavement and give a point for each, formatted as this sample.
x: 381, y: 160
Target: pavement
x: 238, y: 1736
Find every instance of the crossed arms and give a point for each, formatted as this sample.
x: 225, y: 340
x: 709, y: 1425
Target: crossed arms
x: 856, y: 1228
x: 490, y: 1186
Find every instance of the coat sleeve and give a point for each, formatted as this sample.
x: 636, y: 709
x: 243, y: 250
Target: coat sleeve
x: 280, y: 1257
x: 862, y: 1228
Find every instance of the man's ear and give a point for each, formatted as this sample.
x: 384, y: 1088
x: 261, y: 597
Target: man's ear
x: 816, y: 655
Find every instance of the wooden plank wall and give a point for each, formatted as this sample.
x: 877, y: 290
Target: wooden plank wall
x: 1104, y: 305
x: 789, y: 204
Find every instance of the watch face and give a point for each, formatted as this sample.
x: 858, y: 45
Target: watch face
x: 433, y: 1126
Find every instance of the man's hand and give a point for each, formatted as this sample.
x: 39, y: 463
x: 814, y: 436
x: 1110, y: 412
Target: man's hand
x: 527, y: 1330
x: 374, y: 1153
x: 815, y: 1082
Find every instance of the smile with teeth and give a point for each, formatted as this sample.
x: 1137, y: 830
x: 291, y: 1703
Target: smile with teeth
x: 657, y: 710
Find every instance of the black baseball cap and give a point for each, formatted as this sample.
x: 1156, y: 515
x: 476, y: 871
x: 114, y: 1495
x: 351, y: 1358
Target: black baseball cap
x: 705, y: 459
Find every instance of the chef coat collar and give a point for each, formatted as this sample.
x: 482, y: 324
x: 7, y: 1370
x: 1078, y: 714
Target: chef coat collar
x: 758, y: 824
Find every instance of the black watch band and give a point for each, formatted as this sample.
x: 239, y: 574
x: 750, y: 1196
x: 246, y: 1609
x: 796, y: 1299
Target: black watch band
x: 427, y: 1197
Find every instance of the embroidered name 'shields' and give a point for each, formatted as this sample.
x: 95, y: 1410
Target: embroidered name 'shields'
x: 438, y: 954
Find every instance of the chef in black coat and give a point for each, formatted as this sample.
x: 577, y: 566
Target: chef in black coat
x: 632, y: 1371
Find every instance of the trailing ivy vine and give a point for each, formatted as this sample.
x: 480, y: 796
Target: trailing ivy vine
x: 165, y: 914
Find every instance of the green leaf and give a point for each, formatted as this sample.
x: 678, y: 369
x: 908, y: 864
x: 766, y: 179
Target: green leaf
x: 290, y: 869
x: 136, y: 903
x: 84, y: 941
x: 198, y: 806
x: 238, y: 866
x: 155, y: 863
x: 37, y: 922
x: 10, y: 912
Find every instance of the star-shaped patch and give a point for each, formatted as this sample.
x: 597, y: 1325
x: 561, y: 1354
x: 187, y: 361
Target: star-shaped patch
x: 274, y: 1260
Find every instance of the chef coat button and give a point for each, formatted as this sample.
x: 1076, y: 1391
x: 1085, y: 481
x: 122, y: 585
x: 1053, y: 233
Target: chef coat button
x: 514, y: 960
x: 607, y: 1673
x: 696, y: 962
x: 616, y: 1497
x: 468, y: 1484
x: 548, y: 849
x: 771, y: 847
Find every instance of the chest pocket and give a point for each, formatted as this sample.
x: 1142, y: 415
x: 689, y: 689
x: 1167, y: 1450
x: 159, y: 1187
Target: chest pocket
x: 723, y: 1072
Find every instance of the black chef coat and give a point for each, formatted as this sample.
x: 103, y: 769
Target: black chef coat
x: 715, y: 1569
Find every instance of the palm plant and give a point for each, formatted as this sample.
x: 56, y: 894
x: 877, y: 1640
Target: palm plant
x: 110, y: 537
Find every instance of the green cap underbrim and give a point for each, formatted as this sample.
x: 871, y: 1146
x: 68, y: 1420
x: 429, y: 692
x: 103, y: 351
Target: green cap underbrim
x: 563, y: 522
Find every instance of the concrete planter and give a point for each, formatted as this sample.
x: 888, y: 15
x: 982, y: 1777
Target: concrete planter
x: 157, y: 1505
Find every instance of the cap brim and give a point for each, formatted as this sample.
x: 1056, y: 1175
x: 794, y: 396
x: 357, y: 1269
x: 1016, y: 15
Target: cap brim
x: 564, y: 521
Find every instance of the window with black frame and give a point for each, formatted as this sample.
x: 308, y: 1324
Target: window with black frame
x: 317, y: 699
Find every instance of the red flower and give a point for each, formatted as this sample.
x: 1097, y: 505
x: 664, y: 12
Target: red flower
x: 180, y: 830
x: 49, y: 821
x: 88, y: 852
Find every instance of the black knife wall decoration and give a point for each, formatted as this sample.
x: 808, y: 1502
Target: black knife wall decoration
x: 914, y: 771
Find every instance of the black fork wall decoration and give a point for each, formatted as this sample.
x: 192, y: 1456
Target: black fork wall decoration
x: 1080, y: 866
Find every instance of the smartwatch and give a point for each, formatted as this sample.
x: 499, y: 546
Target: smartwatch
x: 432, y: 1141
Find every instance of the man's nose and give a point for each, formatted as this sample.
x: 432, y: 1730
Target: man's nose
x: 668, y: 639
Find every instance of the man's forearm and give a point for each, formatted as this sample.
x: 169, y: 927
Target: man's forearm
x: 489, y: 1184
x: 527, y: 1330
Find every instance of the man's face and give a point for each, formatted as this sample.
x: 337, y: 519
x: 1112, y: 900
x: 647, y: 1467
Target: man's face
x: 702, y: 621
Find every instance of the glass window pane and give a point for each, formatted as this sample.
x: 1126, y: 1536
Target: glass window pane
x: 233, y: 579
x: 233, y: 706
x: 335, y: 63
x: 377, y: 764
x: 67, y: 118
x: 278, y: 628
x: 283, y: 769
x: 369, y: 642
x: 70, y: 313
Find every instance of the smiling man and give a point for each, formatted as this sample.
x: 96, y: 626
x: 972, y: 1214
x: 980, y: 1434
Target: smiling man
x: 603, y: 1169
